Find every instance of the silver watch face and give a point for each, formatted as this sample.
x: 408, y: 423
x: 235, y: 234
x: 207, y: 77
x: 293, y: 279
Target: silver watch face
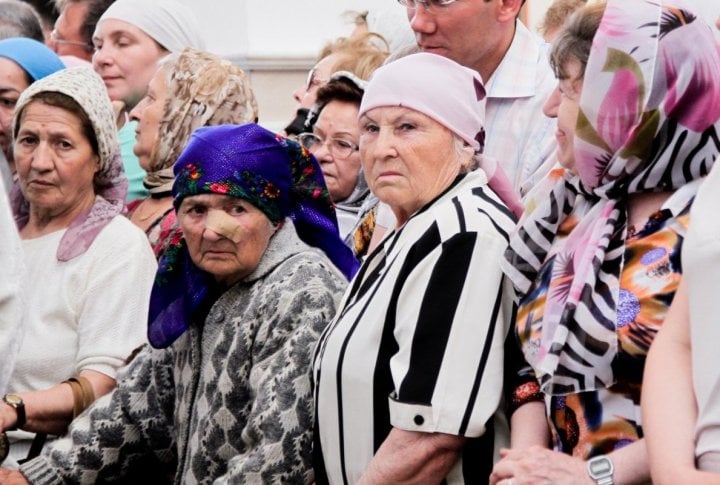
x: 600, y: 467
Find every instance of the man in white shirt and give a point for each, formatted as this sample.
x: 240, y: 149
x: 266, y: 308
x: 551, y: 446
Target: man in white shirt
x: 485, y: 35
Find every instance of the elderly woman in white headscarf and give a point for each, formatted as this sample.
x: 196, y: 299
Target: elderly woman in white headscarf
x: 130, y: 38
x: 91, y: 268
x: 409, y: 375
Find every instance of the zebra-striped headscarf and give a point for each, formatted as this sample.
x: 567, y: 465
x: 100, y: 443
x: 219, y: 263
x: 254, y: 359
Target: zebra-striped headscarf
x: 648, y: 122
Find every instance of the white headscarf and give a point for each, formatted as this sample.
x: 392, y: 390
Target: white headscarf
x: 170, y: 23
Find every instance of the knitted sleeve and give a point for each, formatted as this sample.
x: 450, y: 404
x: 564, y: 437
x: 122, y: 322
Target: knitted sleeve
x: 128, y: 430
x: 279, y: 428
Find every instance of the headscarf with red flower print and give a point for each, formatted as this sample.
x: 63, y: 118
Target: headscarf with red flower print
x: 649, y: 121
x: 277, y: 176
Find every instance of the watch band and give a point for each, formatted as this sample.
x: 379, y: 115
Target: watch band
x: 605, y: 481
x: 4, y: 447
x: 17, y: 403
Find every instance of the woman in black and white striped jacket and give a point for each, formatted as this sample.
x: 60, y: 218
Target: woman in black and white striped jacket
x: 409, y: 375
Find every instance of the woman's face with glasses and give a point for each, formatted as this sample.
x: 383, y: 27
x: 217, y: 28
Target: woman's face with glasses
x: 317, y: 77
x: 335, y: 145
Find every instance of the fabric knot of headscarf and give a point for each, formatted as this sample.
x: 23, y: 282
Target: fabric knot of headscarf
x: 648, y: 122
x: 84, y: 86
x: 202, y: 89
x: 277, y: 176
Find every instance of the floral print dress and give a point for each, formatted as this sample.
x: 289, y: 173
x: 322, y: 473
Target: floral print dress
x: 596, y: 422
x: 162, y: 232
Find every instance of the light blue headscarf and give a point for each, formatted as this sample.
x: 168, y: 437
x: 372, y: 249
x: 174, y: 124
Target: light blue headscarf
x: 36, y: 59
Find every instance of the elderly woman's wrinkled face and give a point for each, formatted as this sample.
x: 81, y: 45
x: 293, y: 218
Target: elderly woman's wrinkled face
x: 149, y: 112
x: 339, y: 158
x: 408, y: 158
x: 226, y: 236
x: 13, y: 81
x: 126, y: 59
x: 564, y: 104
x: 55, y: 161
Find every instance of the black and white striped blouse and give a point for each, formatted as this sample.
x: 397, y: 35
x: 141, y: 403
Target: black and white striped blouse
x: 418, y: 341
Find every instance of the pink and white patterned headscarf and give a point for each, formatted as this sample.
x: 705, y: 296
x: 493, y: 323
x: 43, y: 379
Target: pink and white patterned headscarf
x: 87, y: 88
x: 649, y: 121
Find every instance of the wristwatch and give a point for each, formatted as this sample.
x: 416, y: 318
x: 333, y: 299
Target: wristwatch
x: 600, y: 469
x: 17, y: 403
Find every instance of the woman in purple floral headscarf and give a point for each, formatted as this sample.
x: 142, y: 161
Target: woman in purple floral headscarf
x: 224, y: 393
x: 597, y: 262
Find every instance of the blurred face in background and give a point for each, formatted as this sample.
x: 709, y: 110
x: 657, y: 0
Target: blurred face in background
x: 149, y: 112
x: 564, y: 104
x: 336, y: 147
x: 317, y: 77
x: 126, y: 59
x: 465, y: 31
x: 66, y: 38
x: 13, y: 81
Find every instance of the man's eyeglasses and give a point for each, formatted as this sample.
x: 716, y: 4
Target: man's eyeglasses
x: 428, y: 4
x: 54, y: 38
x: 313, y: 80
x: 336, y: 146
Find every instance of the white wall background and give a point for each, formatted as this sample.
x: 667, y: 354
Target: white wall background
x: 277, y: 40
x: 276, y: 29
x: 291, y: 29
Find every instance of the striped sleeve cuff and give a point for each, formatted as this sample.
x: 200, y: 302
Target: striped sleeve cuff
x: 411, y: 417
x: 39, y: 471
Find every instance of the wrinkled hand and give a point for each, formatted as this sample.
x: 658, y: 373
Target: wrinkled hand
x: 538, y: 465
x: 8, y: 416
x: 12, y: 477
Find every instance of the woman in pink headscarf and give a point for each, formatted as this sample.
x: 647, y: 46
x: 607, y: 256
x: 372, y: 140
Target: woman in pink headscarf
x: 596, y: 264
x: 409, y: 375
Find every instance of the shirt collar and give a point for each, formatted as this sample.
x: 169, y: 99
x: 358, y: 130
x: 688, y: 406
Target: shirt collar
x: 517, y: 74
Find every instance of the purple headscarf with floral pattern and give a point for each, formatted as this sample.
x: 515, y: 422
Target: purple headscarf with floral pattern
x: 277, y: 176
x: 648, y: 122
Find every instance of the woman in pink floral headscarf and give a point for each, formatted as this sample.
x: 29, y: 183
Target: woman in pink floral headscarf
x: 597, y: 262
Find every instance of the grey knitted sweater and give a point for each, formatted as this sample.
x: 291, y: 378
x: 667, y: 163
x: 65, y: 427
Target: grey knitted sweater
x: 229, y: 402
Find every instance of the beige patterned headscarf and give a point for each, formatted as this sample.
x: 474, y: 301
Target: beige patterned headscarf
x: 83, y: 85
x: 203, y: 90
